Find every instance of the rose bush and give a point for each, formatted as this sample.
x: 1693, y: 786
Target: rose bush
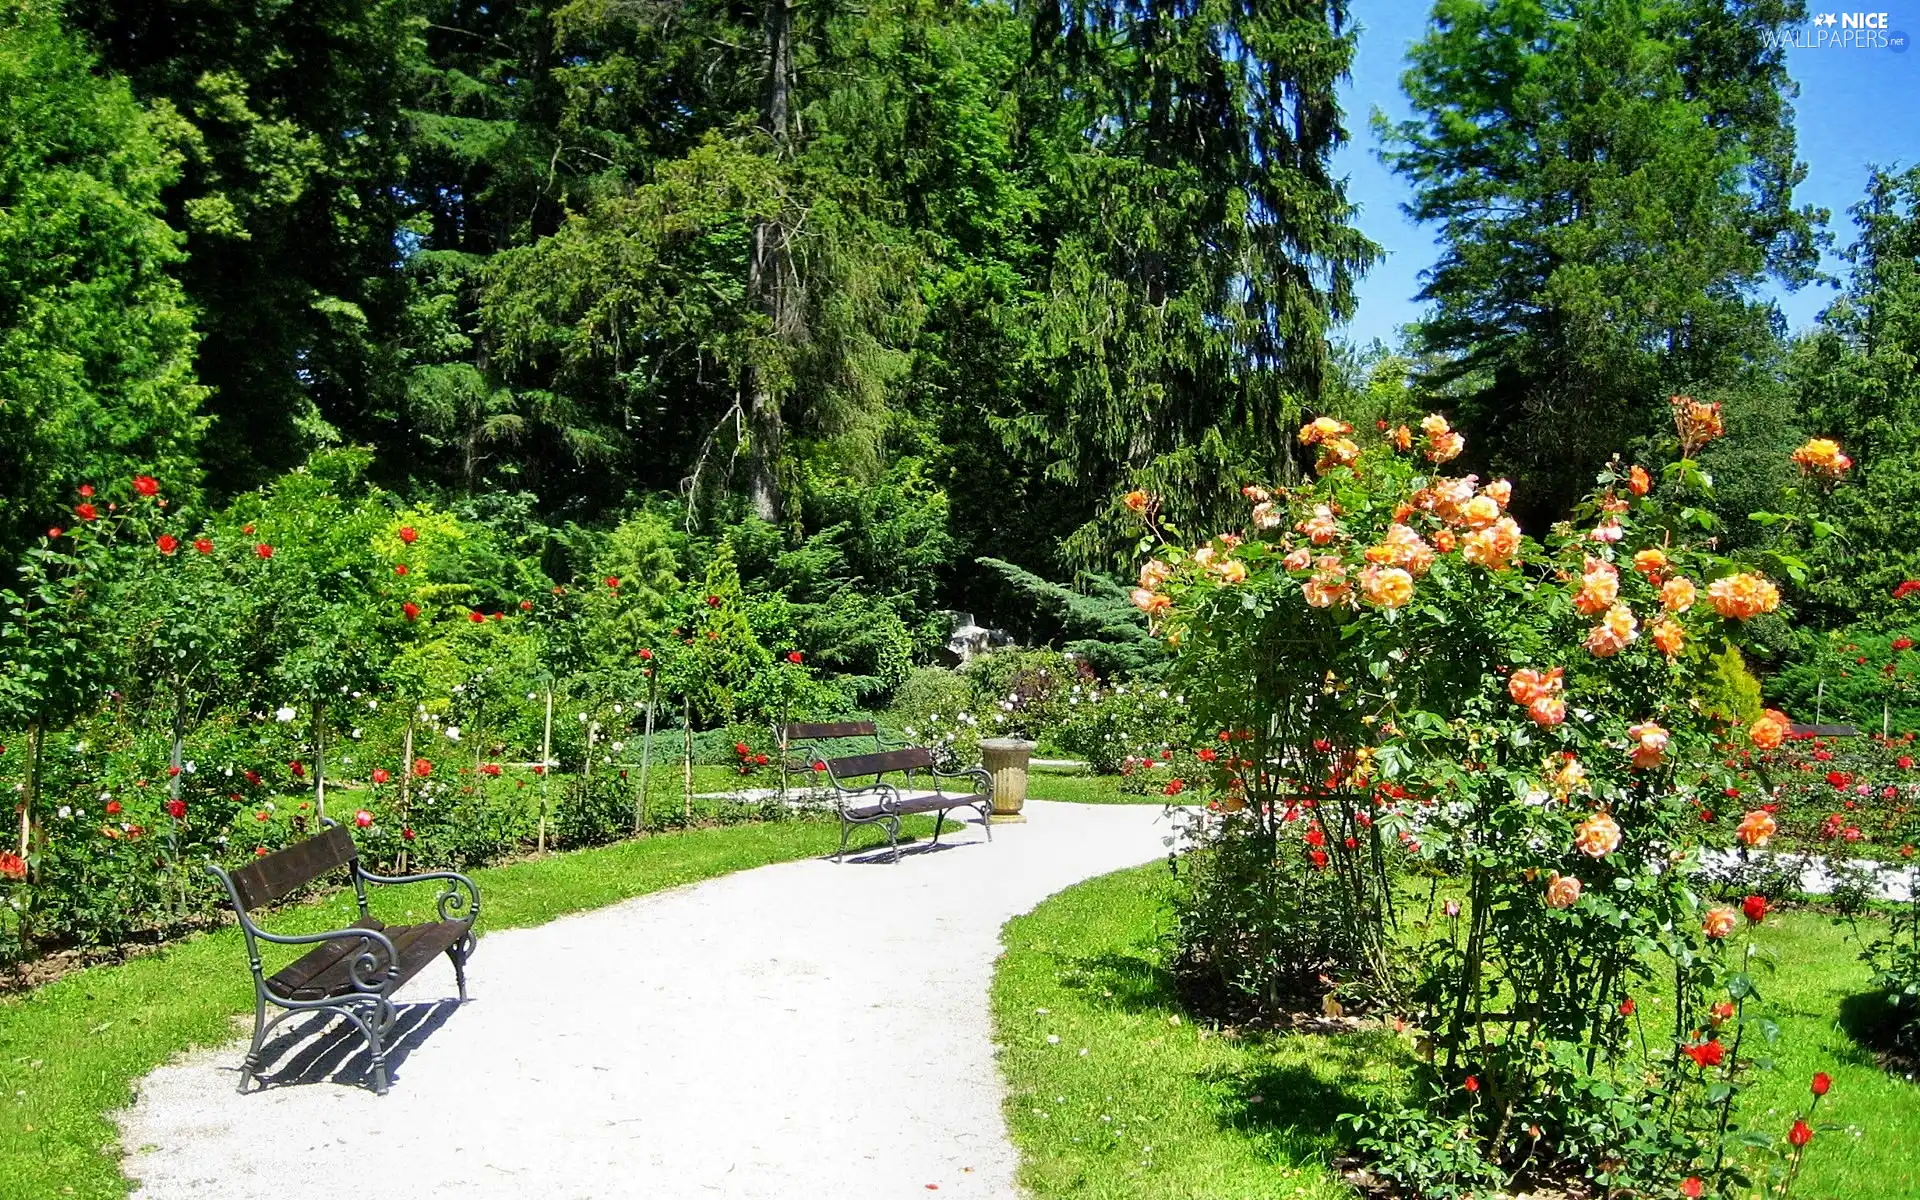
x: 1412, y: 682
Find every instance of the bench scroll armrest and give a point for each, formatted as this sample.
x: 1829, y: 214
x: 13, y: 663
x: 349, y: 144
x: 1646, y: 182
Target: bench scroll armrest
x: 452, y: 904
x: 979, y: 775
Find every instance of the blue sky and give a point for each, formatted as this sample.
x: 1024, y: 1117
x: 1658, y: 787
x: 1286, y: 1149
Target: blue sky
x: 1857, y: 106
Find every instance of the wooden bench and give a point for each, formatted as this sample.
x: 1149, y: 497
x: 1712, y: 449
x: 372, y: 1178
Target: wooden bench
x: 352, y: 972
x: 878, y: 800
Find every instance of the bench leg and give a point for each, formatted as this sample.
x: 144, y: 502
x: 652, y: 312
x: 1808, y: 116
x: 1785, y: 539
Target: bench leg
x: 893, y: 837
x: 846, y: 831
x: 251, y: 1062
x: 457, y: 953
x: 986, y: 818
x: 371, y: 1031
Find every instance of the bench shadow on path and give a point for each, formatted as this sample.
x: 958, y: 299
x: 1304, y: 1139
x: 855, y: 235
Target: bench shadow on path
x: 1291, y: 1109
x: 867, y: 856
x: 324, y: 1048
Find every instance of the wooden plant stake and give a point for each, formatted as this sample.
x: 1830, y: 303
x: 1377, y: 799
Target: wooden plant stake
x: 546, y: 768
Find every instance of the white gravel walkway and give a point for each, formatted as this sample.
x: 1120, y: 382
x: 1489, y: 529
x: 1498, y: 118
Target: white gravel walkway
x: 804, y: 1030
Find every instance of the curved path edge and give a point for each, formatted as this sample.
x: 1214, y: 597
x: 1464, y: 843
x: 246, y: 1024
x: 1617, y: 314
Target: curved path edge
x: 804, y: 1029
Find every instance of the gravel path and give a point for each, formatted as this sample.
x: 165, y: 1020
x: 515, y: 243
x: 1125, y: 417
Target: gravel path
x: 802, y: 1030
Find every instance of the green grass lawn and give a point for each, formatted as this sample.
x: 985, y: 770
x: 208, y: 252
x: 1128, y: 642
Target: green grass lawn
x: 1135, y: 1100
x: 1081, y: 787
x: 70, y: 1051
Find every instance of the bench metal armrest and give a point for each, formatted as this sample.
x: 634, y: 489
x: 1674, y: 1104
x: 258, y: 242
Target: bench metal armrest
x: 365, y: 964
x: 452, y: 905
x: 887, y: 794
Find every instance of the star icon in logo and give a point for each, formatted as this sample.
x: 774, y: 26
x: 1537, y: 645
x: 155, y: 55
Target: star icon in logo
x: 1824, y: 19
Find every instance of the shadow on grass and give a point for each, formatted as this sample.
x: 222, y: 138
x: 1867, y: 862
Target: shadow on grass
x: 1133, y: 983
x: 1874, y: 1024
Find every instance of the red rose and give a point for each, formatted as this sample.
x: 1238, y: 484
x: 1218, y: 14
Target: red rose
x: 54, y: 533
x: 12, y: 866
x: 477, y: 618
x: 526, y: 606
x: 740, y: 748
x: 1175, y: 787
x: 363, y: 818
x: 646, y: 654
x: 262, y: 816
x: 713, y: 602
x: 1626, y: 1007
x: 1472, y: 1083
x: 1208, y: 754
x: 1904, y: 762
x: 1755, y: 907
x: 422, y: 768
x: 203, y: 545
x: 410, y: 610
x: 492, y: 770
x: 1822, y: 1083
x: 380, y: 775
x: 86, y: 512
x: 253, y: 777
x: 85, y: 490
x: 263, y: 550
x: 1905, y: 643
x: 759, y: 760
x: 399, y: 568
x: 1316, y: 838
x: 1691, y: 1187
x: 1319, y: 858
x: 177, y: 809
x: 538, y: 769
x: 408, y: 534
x: 259, y: 851
x: 795, y: 657
x: 247, y: 529
x: 1709, y: 1053
x: 167, y: 543
x: 146, y: 485
x: 1800, y: 1134
x: 113, y: 808
x: 299, y: 771
x: 407, y: 834
x: 613, y: 581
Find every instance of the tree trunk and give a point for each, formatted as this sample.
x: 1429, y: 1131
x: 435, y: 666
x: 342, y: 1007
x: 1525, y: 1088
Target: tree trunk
x: 686, y: 762
x: 646, y: 763
x: 28, y: 821
x: 767, y: 273
x: 320, y: 761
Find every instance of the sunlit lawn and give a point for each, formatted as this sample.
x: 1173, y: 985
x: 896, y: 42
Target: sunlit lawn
x: 1159, y: 1107
x: 70, y: 1052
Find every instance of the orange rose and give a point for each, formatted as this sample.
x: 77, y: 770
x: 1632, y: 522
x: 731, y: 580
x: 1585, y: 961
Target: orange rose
x: 1231, y: 571
x: 1320, y: 528
x: 1563, y: 891
x: 1697, y: 423
x: 1650, y: 562
x: 1756, y: 828
x: 1403, y: 439
x: 1266, y: 515
x: 1444, y: 541
x: 1500, y: 491
x: 1150, y: 602
x: 1136, y: 500
x: 1744, y: 596
x: 1325, y: 591
x: 1336, y: 453
x: 1597, y: 836
x: 1615, y: 632
x: 1822, y: 457
x: 1547, y: 711
x: 1527, y: 685
x: 1386, y: 587
x: 1769, y: 730
x: 1567, y: 776
x: 1668, y: 636
x: 1649, y: 745
x: 1493, y: 547
x: 1639, y: 482
x: 1720, y: 921
x: 1678, y: 594
x: 1323, y: 429
x: 1599, y: 587
x: 1480, y: 512
x: 1256, y: 493
x: 1154, y: 573
x: 1298, y: 560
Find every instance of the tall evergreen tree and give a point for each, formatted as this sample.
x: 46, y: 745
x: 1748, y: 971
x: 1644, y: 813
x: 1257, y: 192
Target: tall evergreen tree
x: 1199, y: 247
x: 1613, y: 180
x: 96, y: 340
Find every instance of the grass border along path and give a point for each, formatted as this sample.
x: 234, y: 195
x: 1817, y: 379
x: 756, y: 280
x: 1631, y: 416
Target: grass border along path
x: 70, y: 1052
x: 1113, y: 1094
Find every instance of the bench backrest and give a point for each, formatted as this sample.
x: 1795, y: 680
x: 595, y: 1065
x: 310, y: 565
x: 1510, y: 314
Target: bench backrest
x: 918, y: 758
x: 265, y: 880
x: 827, y: 731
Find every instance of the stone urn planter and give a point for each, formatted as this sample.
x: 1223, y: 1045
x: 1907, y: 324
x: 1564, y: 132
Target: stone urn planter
x: 1006, y: 760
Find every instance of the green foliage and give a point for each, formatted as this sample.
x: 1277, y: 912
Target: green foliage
x: 1605, y: 176
x: 1102, y: 625
x: 1728, y: 690
x: 1854, y: 676
x: 96, y: 339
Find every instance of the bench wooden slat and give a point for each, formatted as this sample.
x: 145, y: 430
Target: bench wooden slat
x: 828, y: 731
x: 265, y: 880
x: 417, y: 946
x: 915, y: 759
